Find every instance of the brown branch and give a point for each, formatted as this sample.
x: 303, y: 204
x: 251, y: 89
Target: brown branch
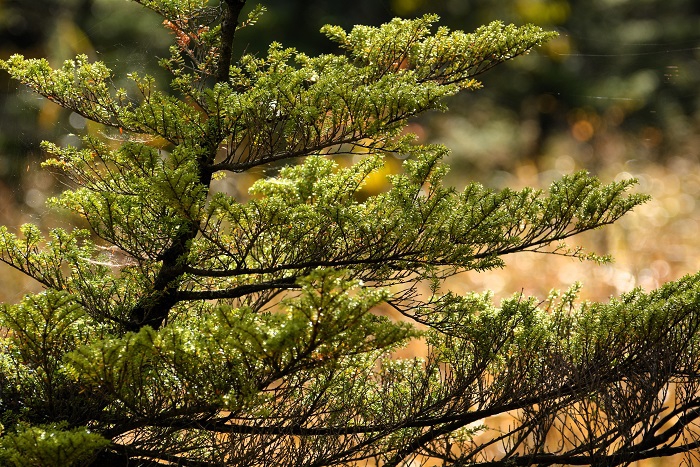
x: 118, y: 455
x: 406, y: 256
x: 228, y: 31
x: 282, y: 155
x: 236, y: 292
x: 619, y: 458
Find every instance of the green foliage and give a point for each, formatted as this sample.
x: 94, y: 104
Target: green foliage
x: 49, y: 446
x: 191, y: 326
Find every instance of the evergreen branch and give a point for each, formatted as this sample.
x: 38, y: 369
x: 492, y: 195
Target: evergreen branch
x: 455, y: 422
x: 329, y: 147
x: 307, y: 265
x: 439, y: 425
x: 235, y: 292
x: 398, y: 259
x: 80, y: 86
x: 120, y: 454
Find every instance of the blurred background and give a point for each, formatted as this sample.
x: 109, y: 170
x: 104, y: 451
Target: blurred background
x: 617, y: 94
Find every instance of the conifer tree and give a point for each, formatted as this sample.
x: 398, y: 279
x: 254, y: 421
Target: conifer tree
x: 184, y: 324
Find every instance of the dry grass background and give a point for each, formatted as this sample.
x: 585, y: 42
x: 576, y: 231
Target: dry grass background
x: 656, y: 243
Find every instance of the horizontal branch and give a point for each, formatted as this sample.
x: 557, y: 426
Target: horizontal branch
x: 407, y: 256
x: 619, y: 458
x: 692, y: 413
x: 236, y: 292
x: 302, y: 265
x: 224, y: 426
x: 127, y: 453
x: 306, y: 151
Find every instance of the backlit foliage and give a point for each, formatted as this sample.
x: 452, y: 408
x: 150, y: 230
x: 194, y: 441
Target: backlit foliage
x: 185, y: 325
